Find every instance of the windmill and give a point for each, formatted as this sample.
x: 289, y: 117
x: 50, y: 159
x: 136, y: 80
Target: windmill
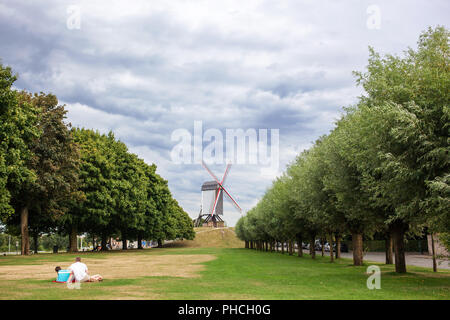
x: 212, y: 200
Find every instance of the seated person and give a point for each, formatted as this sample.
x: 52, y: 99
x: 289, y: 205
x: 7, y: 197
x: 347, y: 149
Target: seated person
x: 79, y: 272
x: 62, y: 275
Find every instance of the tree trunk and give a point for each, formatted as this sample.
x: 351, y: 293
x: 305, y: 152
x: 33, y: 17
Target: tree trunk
x: 322, y: 242
x: 124, y: 241
x: 160, y: 243
x: 73, y: 243
x: 433, y: 251
x: 139, y: 240
x: 389, y: 248
x: 25, y: 246
x: 104, y: 248
x: 36, y: 242
x: 398, y: 235
x: 291, y: 247
x: 312, y: 248
x: 246, y: 244
x: 300, y: 246
x: 357, y: 239
x: 338, y: 247
x: 331, y: 248
x: 282, y: 247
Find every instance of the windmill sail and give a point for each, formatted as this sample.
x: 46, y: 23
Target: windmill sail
x: 216, y: 204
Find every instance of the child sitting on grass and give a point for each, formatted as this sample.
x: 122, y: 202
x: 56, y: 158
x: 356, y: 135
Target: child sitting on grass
x: 62, y: 275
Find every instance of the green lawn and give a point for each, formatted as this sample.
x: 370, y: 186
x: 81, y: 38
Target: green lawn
x: 233, y: 274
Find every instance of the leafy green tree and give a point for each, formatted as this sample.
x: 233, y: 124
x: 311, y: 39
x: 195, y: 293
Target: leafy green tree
x: 129, y: 194
x: 54, y: 163
x: 239, y: 229
x: 17, y: 131
x: 402, y: 136
x: 97, y: 182
x: 355, y: 210
x: 164, y: 227
x: 185, y: 225
x: 312, y: 203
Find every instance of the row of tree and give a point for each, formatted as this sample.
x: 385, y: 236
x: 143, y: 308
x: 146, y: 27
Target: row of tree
x: 55, y: 178
x: 384, y: 167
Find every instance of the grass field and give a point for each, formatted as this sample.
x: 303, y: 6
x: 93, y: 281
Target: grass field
x: 213, y: 273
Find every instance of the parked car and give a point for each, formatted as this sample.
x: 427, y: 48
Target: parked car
x: 318, y: 245
x: 326, y: 247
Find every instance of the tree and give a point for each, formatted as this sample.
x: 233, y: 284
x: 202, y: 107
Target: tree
x: 97, y: 182
x: 129, y: 194
x: 314, y: 205
x: 355, y: 210
x: 403, y: 124
x: 185, y: 225
x: 17, y: 131
x: 54, y: 163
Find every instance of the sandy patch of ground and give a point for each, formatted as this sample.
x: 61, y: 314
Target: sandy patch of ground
x: 117, y: 267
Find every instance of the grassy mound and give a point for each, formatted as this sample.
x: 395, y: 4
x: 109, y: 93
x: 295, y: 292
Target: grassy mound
x: 210, y: 238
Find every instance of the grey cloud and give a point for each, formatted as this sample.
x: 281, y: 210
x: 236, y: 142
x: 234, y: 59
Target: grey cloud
x: 147, y: 68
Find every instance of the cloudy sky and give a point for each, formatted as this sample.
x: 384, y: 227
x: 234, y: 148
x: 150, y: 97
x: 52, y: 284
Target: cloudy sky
x: 146, y: 68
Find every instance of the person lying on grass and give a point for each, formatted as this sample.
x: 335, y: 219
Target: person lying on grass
x: 79, y: 272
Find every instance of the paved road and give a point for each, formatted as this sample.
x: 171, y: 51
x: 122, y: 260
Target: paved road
x: 412, y: 258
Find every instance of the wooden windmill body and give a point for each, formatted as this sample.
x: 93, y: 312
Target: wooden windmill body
x: 211, y: 211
